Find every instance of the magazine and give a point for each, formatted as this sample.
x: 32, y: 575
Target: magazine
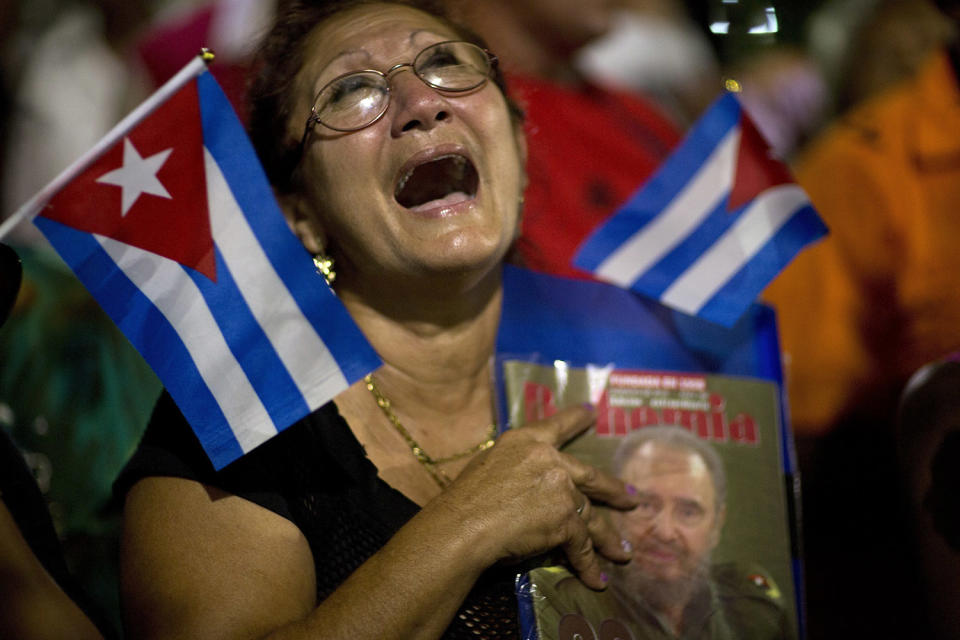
x: 730, y: 553
x: 717, y: 393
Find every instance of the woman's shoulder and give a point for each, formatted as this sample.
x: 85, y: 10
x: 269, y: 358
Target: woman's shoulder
x: 170, y: 448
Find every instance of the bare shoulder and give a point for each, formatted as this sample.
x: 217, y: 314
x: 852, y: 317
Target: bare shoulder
x: 198, y: 562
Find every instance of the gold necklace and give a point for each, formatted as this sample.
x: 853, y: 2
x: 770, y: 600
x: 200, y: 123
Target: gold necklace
x: 429, y: 463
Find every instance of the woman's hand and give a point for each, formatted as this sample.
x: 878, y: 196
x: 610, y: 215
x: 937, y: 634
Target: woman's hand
x: 525, y: 497
x: 202, y: 564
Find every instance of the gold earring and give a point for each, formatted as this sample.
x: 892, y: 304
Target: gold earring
x: 324, y: 265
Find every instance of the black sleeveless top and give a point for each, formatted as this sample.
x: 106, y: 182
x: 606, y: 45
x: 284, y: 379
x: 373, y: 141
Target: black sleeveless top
x: 316, y: 474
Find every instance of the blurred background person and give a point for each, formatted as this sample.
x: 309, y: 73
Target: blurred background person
x: 590, y: 147
x: 38, y: 593
x: 785, y: 94
x: 73, y: 78
x: 229, y: 28
x: 928, y: 442
x: 654, y: 47
x: 74, y: 395
x: 865, y: 46
x: 865, y: 308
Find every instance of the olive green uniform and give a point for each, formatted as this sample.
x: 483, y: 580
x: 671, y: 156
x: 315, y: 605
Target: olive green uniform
x: 738, y: 603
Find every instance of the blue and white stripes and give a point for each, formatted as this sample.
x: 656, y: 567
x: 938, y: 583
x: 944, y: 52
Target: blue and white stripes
x: 678, y: 241
x: 246, y: 356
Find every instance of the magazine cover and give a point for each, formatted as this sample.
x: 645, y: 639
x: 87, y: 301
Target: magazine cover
x: 692, y: 415
x: 711, y: 537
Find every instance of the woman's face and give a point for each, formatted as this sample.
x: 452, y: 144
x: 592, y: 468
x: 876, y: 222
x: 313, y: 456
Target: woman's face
x: 434, y: 185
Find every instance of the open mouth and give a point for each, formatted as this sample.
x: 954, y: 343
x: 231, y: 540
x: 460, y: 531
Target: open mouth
x: 444, y: 180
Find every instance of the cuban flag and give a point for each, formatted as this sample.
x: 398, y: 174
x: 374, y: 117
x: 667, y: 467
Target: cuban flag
x: 171, y: 225
x: 716, y: 223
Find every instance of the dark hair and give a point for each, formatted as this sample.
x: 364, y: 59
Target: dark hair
x: 280, y: 57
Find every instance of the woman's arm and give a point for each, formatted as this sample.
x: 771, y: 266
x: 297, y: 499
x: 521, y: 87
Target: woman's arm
x: 34, y: 606
x: 200, y: 563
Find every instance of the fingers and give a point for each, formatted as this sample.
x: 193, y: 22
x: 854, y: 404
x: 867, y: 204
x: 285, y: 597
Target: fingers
x: 605, y: 539
x: 588, y: 535
x: 557, y: 490
x: 583, y: 507
x: 563, y: 426
x: 600, y: 485
x: 579, y: 550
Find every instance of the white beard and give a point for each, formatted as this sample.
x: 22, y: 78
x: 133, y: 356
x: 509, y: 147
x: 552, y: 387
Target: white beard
x: 636, y: 585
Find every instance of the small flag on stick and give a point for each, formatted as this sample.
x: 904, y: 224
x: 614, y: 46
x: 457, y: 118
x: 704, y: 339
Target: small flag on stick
x: 716, y: 223
x: 172, y: 226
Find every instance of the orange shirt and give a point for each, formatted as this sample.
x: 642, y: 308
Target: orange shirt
x: 863, y: 309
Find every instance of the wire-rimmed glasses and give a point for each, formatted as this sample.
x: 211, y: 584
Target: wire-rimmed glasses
x: 357, y: 99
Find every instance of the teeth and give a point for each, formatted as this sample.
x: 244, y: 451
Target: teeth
x: 458, y: 160
x: 435, y: 179
x: 403, y: 182
x: 461, y: 166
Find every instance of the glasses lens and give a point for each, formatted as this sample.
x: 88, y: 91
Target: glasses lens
x: 352, y: 101
x: 453, y: 66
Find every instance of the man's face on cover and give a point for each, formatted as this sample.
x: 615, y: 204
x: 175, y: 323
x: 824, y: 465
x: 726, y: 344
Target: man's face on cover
x: 677, y: 523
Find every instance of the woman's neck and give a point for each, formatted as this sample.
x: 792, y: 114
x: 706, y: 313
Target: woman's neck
x: 436, y: 341
x: 437, y: 345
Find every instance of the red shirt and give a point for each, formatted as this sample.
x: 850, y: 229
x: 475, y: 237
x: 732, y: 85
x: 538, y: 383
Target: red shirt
x: 590, y: 149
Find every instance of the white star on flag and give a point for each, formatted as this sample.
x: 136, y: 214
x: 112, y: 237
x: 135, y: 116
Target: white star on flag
x: 208, y: 281
x: 137, y: 175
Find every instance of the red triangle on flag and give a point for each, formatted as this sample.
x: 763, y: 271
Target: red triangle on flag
x: 149, y: 190
x: 757, y: 170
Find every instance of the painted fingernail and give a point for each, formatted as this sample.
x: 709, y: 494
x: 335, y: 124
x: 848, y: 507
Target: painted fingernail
x: 604, y: 578
x: 632, y: 490
x: 626, y: 546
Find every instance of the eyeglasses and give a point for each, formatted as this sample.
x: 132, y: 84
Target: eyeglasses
x: 357, y: 99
